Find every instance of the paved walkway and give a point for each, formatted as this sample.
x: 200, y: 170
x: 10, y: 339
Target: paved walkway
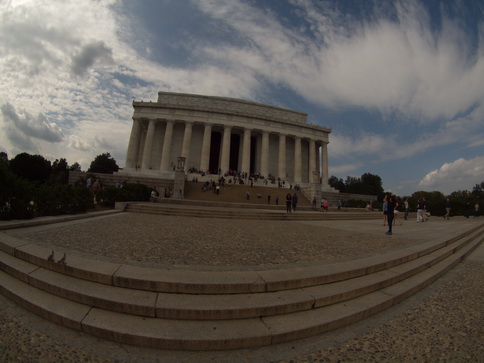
x: 443, y: 322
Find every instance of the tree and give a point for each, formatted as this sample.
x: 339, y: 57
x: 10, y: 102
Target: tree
x: 75, y: 167
x: 31, y: 167
x: 15, y: 195
x: 372, y: 184
x: 103, y: 163
x: 60, y: 172
x: 3, y: 157
x: 337, y: 183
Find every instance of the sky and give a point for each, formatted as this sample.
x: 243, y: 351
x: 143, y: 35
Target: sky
x: 400, y: 83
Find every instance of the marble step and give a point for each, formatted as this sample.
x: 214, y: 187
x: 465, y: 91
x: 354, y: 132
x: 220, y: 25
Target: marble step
x: 246, y: 281
x: 158, y: 208
x: 213, y: 307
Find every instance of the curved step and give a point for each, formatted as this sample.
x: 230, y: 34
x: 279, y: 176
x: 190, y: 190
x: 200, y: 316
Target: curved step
x: 225, y: 333
x: 222, y: 306
x: 251, y: 214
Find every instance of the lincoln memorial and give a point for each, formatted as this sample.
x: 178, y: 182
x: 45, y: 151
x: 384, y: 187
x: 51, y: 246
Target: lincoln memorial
x: 217, y: 135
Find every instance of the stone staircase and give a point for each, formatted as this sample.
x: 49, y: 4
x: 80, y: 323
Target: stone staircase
x: 232, y: 193
x: 188, y: 308
x: 222, y: 210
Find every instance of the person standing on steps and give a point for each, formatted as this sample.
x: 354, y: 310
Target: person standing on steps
x: 288, y: 202
x: 294, y: 202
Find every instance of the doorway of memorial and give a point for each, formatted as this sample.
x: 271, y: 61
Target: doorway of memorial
x: 253, y: 153
x: 213, y: 164
x: 234, y: 152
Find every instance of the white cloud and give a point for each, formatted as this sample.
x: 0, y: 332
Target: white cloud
x: 453, y: 176
x: 344, y: 169
x: 38, y: 127
x: 80, y: 69
x: 89, y: 54
x: 364, y: 144
x: 391, y: 66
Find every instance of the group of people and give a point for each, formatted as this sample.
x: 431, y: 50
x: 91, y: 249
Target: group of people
x: 391, y: 211
x: 291, y: 202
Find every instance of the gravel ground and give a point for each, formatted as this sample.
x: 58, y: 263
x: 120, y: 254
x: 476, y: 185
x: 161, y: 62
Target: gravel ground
x: 152, y: 239
x: 446, y: 326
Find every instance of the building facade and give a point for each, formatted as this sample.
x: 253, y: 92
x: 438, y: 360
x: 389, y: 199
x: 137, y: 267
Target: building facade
x: 218, y: 135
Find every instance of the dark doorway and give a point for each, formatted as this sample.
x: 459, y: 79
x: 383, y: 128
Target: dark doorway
x: 253, y: 149
x: 234, y: 152
x: 214, y: 152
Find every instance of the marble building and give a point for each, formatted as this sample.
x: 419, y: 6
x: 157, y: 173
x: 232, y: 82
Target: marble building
x: 218, y: 134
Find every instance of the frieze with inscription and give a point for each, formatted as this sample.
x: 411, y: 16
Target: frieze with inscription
x: 229, y: 106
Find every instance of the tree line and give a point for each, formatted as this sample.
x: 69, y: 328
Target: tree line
x: 462, y: 202
x: 32, y: 186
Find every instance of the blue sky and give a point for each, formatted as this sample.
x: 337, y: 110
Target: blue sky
x: 400, y: 83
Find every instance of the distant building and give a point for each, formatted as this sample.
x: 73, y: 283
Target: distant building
x: 218, y: 135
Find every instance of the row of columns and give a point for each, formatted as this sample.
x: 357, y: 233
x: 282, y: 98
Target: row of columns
x: 136, y: 136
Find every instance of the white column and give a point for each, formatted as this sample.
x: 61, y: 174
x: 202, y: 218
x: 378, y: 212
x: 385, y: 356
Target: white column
x: 282, y: 157
x: 165, y: 153
x: 133, y: 146
x: 146, y: 163
x: 264, y: 168
x: 325, y: 175
x: 297, y: 160
x: 246, y: 151
x: 225, y: 152
x: 207, y: 138
x: 187, y: 140
x: 312, y: 159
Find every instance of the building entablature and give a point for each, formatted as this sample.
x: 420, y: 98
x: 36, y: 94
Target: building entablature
x: 153, y: 110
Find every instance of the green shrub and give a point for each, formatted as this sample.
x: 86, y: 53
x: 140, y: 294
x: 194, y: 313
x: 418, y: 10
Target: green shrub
x: 109, y: 195
x: 51, y: 200
x: 15, y: 195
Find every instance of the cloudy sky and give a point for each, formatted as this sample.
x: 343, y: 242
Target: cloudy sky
x: 400, y: 83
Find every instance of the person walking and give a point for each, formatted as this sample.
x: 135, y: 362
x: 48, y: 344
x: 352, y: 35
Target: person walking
x: 385, y: 210
x: 420, y: 217
x: 395, y: 213
x: 476, y: 210
x: 390, y: 210
x: 447, y: 209
x: 407, y: 210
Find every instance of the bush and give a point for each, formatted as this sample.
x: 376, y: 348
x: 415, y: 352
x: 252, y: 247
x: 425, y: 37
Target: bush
x: 15, y: 195
x: 355, y: 203
x: 51, y: 200
x: 109, y: 195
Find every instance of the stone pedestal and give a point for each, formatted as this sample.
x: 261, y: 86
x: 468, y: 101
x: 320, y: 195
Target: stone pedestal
x: 179, y: 184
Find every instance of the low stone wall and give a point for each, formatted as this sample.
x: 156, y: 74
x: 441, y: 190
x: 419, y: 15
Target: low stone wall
x: 112, y: 179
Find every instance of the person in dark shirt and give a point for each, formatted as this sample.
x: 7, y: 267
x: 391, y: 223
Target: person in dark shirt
x: 288, y: 203
x: 390, y: 211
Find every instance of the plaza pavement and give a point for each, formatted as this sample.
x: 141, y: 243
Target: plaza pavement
x: 441, y: 323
